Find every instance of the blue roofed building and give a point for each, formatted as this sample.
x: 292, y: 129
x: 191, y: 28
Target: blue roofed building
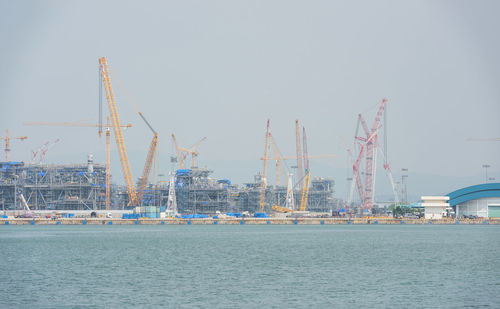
x: 481, y: 200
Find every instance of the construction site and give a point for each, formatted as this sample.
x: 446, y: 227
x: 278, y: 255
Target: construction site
x: 30, y: 187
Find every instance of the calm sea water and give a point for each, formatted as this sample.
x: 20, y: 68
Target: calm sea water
x: 247, y: 266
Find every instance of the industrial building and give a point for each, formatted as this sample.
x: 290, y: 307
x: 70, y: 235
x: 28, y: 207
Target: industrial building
x: 481, y: 200
x: 52, y: 187
x: 83, y: 186
x: 198, y: 193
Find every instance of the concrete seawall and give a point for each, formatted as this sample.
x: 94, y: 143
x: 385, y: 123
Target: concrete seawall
x: 240, y: 221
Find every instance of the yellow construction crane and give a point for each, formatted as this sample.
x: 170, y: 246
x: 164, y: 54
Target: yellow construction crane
x: 192, y: 151
x: 282, y: 209
x: 279, y: 158
x: 7, y: 139
x: 143, y: 181
x: 305, y: 191
x: 178, y: 152
x: 135, y: 198
x: 481, y: 139
x: 69, y: 124
x: 107, y: 128
x: 182, y: 152
x: 113, y: 112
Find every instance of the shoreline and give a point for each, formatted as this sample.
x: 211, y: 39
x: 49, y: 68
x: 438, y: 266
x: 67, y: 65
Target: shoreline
x: 243, y: 221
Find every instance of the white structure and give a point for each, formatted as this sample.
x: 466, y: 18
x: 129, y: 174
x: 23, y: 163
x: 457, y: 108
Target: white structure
x: 172, y: 200
x: 290, y: 200
x: 435, y: 206
x: 482, y: 207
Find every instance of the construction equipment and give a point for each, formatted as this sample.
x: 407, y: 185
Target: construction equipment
x: 282, y: 209
x: 35, y: 153
x: 356, y: 179
x: 183, y: 152
x: 391, y: 178
x: 178, y: 152
x: 368, y: 149
x: 135, y: 198
x: 193, y: 152
x: 70, y: 124
x: 263, y: 178
x: 24, y: 203
x: 371, y: 155
x: 113, y: 111
x: 307, y: 178
x: 278, y: 159
x: 172, y: 200
x: 108, y: 165
x: 149, y: 160
x: 290, y: 200
x: 7, y: 139
x: 478, y: 139
x: 299, y: 152
x: 45, y: 149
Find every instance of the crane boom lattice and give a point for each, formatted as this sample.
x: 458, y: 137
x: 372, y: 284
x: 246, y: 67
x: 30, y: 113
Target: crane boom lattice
x: 117, y: 130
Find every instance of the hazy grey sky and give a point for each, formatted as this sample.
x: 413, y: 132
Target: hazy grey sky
x: 220, y: 68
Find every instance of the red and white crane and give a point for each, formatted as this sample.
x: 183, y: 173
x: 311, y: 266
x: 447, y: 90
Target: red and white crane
x: 43, y: 150
x: 35, y: 153
x: 368, y: 149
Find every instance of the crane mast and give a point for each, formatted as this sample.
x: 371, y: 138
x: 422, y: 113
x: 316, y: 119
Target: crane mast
x: 113, y: 111
x: 147, y: 167
x: 371, y: 156
x: 7, y: 139
x: 44, y: 151
x: 307, y: 178
x: 277, y: 158
x: 369, y: 145
x: 263, y: 180
x: 178, y: 152
x: 194, y: 153
x: 143, y: 181
x: 299, y: 153
x: 108, y: 167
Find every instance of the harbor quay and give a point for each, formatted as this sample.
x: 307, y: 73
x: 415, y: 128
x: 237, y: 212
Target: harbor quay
x: 240, y: 221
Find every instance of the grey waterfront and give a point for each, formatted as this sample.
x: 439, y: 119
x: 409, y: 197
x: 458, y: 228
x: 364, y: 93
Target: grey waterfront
x: 243, y: 266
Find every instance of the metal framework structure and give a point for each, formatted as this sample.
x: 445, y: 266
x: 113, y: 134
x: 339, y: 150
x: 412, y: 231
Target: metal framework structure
x: 52, y: 187
x: 197, y: 193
